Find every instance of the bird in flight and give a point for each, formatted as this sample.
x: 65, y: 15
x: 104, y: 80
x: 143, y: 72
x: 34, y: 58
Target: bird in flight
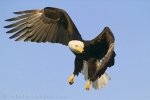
x: 92, y: 57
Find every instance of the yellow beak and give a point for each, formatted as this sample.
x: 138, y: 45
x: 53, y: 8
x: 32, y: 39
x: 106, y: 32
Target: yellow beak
x: 79, y: 50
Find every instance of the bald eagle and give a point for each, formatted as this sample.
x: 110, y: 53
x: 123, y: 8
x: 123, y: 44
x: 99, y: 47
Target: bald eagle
x: 92, y: 57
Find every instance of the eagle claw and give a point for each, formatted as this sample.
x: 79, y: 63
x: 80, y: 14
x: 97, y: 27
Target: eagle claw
x: 88, y: 85
x: 71, y: 79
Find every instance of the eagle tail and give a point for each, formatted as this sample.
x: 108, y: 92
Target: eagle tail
x: 101, y: 82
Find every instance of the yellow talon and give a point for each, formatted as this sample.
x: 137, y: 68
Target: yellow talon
x: 71, y: 79
x: 88, y: 85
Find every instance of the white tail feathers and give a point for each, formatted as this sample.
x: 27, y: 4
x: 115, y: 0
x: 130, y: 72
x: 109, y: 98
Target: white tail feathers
x: 101, y: 82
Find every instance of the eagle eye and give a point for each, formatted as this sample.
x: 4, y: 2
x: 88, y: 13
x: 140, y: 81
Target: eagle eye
x: 76, y: 45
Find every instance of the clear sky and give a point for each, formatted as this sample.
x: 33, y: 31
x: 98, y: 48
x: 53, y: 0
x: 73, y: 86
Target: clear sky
x: 32, y: 71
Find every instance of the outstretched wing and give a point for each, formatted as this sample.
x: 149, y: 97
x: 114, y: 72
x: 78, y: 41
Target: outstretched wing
x: 104, y: 48
x: 46, y: 25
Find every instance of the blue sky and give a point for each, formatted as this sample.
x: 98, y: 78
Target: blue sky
x: 40, y: 71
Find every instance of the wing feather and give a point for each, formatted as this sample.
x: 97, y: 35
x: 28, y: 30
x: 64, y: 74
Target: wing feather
x: 18, y: 17
x: 16, y: 23
x: 26, y: 12
x: 23, y: 31
x: 33, y: 33
x: 51, y: 32
x: 56, y: 33
x: 16, y: 28
x: 39, y: 33
x: 45, y: 32
x: 48, y: 33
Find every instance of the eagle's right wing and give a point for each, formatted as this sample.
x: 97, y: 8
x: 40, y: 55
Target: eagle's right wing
x: 46, y: 25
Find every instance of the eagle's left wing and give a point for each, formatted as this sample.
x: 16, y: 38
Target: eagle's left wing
x: 105, y: 48
x: 107, y: 61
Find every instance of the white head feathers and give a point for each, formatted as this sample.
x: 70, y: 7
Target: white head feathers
x: 76, y: 46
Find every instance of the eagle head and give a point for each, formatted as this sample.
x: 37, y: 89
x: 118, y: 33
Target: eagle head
x: 76, y: 46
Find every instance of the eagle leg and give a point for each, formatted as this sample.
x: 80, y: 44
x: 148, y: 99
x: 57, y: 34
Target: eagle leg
x: 77, y: 70
x: 71, y: 79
